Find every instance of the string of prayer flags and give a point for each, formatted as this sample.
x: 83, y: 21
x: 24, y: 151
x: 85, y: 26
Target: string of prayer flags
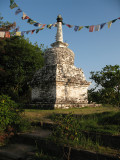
x: 49, y: 26
x: 93, y: 27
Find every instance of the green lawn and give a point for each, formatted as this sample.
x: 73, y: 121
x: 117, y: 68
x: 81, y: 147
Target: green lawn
x: 42, y: 115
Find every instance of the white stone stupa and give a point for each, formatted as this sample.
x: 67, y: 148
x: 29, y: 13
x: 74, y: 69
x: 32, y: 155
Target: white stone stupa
x: 59, y: 84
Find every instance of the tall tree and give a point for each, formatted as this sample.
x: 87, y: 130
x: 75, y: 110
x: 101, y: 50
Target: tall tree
x: 108, y: 82
x: 19, y: 60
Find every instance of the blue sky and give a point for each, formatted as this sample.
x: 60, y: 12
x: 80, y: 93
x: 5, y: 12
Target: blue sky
x: 93, y: 50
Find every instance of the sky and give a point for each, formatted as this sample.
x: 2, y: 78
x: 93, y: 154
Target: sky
x: 93, y: 50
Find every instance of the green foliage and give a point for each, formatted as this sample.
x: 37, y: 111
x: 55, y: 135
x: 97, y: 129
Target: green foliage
x: 108, y: 82
x: 20, y: 60
x: 9, y: 113
x: 69, y: 131
x: 71, y: 127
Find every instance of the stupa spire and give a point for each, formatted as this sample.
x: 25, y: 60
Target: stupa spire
x: 59, y: 35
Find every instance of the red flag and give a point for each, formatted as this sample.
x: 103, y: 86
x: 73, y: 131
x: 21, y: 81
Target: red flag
x: 91, y: 28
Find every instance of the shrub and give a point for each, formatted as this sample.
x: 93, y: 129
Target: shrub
x: 9, y: 113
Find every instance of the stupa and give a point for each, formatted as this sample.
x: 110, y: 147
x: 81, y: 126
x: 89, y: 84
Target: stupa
x: 59, y: 84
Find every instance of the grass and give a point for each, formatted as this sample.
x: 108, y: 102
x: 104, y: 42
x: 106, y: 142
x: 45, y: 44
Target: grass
x: 43, y: 115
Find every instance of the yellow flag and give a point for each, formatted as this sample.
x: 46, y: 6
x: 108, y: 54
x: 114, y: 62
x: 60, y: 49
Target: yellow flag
x: 18, y: 33
x: 80, y: 28
x: 109, y: 24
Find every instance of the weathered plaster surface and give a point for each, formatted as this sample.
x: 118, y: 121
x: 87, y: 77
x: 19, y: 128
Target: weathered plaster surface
x: 59, y: 82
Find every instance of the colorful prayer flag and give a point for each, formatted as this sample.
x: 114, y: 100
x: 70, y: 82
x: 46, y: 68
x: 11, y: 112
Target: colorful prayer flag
x: 7, y: 34
x: 25, y: 16
x: 80, y: 27
x: 18, y: 11
x: 114, y: 20
x: 37, y: 24
x: 37, y: 30
x: 76, y: 28
x: 49, y: 26
x: 87, y: 27
x: 97, y: 27
x: 70, y: 26
x: 14, y: 5
x: 27, y: 32
x: 22, y: 33
x: 18, y: 33
x: 11, y: 2
x: 91, y: 28
x: 109, y: 24
x: 32, y: 31
x: 2, y: 34
x: 102, y: 25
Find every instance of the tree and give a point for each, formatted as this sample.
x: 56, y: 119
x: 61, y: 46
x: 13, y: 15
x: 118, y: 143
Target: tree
x: 108, y: 82
x: 20, y: 59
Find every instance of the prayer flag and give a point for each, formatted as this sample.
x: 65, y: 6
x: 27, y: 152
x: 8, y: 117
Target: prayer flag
x: 25, y: 16
x: 109, y: 24
x: 76, y: 28
x: 17, y: 29
x: 91, y: 28
x: 18, y: 11
x: 43, y: 26
x: 31, y: 21
x: 63, y: 23
x: 37, y: 30
x: 27, y: 32
x: 32, y: 31
x: 87, y: 27
x: 22, y: 33
x: 37, y: 24
x: 11, y: 2
x: 2, y: 34
x: 102, y: 25
x: 18, y: 33
x: 7, y: 34
x: 97, y: 27
x: 114, y: 20
x: 14, y: 5
x: 80, y: 27
x: 49, y: 26
x: 70, y: 26
x: 55, y: 25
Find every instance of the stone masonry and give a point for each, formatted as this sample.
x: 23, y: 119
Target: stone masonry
x: 59, y: 84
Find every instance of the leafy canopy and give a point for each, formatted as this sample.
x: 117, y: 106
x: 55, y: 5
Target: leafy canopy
x: 108, y: 81
x: 20, y: 59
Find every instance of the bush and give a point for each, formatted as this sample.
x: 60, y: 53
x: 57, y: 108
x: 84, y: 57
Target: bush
x: 9, y: 113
